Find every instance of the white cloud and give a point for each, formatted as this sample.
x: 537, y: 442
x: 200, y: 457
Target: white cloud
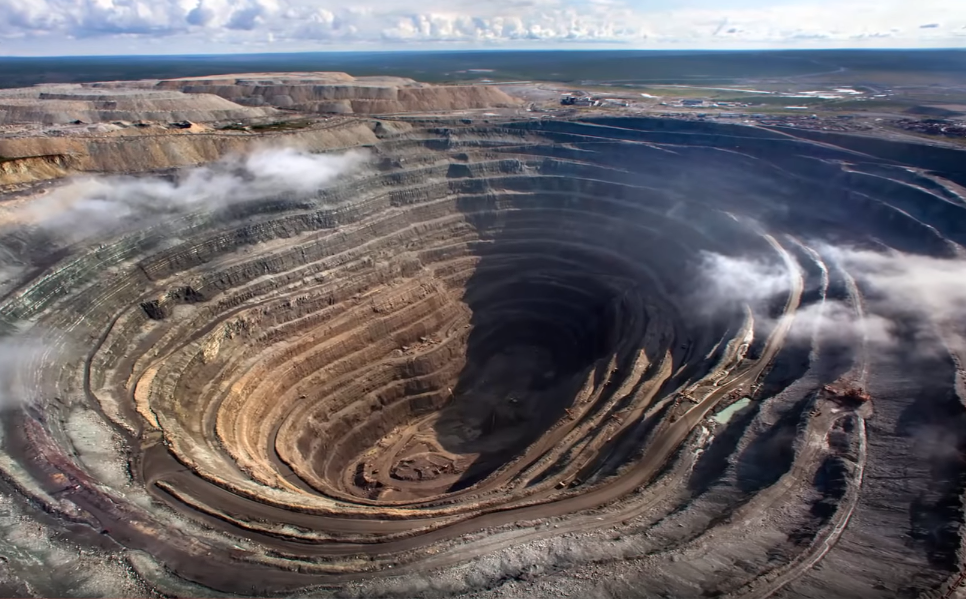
x: 735, y: 281
x: 96, y: 205
x: 932, y: 288
x: 904, y: 293
x: 15, y: 353
x: 300, y: 23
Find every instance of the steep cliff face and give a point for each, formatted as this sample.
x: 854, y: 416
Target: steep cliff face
x: 15, y: 171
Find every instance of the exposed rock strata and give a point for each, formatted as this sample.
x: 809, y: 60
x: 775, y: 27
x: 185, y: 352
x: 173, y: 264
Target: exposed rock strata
x: 40, y: 157
x: 491, y: 332
x: 342, y: 93
x: 64, y: 104
x: 51, y: 131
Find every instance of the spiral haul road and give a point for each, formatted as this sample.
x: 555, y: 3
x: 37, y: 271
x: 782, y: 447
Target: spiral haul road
x: 499, y: 341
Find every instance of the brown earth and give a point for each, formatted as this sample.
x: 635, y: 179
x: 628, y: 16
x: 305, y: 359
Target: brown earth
x: 50, y: 131
x: 342, y: 93
x: 485, y: 346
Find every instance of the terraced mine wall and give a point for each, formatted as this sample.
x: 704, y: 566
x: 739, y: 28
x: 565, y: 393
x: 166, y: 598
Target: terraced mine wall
x: 33, y: 159
x: 493, y: 344
x: 341, y: 93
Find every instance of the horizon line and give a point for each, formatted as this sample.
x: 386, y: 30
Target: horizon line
x: 485, y: 51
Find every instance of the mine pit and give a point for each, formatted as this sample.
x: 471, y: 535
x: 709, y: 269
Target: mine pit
x: 485, y: 329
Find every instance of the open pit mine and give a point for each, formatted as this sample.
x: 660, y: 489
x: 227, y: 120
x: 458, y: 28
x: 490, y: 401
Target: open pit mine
x: 488, y: 359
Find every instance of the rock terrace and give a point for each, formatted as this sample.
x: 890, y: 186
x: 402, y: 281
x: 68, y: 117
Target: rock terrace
x: 493, y: 329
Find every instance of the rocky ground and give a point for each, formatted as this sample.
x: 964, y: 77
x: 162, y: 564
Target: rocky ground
x: 482, y: 361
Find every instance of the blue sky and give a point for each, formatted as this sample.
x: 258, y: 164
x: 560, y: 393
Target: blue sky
x: 70, y: 27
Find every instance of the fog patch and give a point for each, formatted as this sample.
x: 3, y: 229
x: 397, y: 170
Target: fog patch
x: 17, y: 352
x: 727, y: 283
x: 900, y: 292
x: 838, y: 322
x: 90, y: 206
x: 933, y: 287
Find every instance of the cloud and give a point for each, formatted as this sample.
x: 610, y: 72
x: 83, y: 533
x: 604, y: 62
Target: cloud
x: 199, y: 15
x: 16, y: 353
x: 836, y: 322
x: 902, y: 294
x: 246, y: 19
x: 296, y: 23
x: 96, y: 205
x: 731, y: 282
x: 922, y: 292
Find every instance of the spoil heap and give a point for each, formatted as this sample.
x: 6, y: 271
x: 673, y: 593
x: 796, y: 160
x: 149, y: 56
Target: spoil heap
x: 80, y: 104
x: 342, y: 93
x: 493, y: 330
x: 237, y: 97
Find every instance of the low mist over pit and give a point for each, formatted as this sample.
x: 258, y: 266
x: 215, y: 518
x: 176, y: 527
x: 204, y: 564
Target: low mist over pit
x: 606, y: 356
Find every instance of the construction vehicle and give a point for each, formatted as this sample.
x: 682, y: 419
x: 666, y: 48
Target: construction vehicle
x: 847, y: 392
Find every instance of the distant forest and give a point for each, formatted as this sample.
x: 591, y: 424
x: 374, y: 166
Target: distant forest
x: 583, y: 66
